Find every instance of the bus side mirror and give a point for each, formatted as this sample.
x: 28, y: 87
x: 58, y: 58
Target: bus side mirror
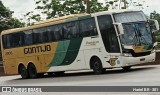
x: 154, y: 25
x: 155, y: 44
x: 120, y: 28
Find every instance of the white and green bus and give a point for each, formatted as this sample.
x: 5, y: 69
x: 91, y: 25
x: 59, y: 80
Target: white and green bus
x: 97, y: 41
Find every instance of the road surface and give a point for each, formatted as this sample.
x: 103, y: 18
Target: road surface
x: 137, y: 76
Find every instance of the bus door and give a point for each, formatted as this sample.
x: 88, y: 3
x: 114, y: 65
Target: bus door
x: 109, y: 38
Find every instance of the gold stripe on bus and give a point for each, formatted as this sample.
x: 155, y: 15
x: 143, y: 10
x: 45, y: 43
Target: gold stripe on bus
x: 14, y: 56
x: 139, y: 49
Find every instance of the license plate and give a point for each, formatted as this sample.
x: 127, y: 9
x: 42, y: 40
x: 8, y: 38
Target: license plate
x: 142, y: 59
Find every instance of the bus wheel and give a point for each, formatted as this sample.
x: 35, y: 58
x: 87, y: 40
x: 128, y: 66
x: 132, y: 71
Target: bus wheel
x: 61, y: 73
x: 96, y: 65
x: 23, y: 72
x: 127, y: 68
x: 32, y: 71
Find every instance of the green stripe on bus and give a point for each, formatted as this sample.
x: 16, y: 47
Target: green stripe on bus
x: 66, y: 52
x: 72, y: 52
x: 60, y: 53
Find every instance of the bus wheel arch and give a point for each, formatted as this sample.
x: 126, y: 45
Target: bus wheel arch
x: 96, y: 65
x: 32, y: 71
x: 22, y: 70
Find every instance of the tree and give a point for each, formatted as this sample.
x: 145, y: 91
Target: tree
x: 57, y: 8
x: 155, y: 15
x: 6, y: 19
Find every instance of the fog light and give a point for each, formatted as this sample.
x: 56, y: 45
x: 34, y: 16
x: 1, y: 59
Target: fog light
x: 127, y: 54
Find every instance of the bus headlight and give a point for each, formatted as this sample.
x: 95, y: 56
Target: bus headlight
x: 127, y: 54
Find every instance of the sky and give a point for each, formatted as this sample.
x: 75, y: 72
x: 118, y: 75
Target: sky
x: 21, y: 7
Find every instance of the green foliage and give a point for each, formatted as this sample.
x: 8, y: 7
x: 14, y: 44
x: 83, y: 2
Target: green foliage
x: 157, y: 38
x: 6, y: 20
x: 57, y: 8
x: 155, y: 15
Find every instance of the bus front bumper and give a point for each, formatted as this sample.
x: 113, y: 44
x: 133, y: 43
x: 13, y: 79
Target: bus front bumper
x: 129, y: 61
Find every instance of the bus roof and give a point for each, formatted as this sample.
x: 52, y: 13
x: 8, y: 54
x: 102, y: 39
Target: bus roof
x: 113, y: 11
x: 63, y: 19
x: 49, y: 22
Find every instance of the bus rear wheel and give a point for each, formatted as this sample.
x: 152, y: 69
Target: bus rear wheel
x: 23, y: 72
x: 32, y: 71
x: 96, y: 65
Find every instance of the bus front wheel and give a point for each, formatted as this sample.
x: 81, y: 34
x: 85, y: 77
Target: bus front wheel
x: 96, y: 65
x: 32, y: 71
x: 23, y: 72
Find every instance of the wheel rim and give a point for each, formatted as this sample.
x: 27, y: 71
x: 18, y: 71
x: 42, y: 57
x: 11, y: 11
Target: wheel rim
x: 22, y: 71
x: 96, y: 65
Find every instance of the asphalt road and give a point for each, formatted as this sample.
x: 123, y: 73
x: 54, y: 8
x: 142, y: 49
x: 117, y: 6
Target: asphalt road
x: 137, y: 76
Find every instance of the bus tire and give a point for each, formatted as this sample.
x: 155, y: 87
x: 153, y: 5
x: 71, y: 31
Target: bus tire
x: 126, y: 68
x: 23, y: 71
x: 96, y: 65
x: 32, y: 71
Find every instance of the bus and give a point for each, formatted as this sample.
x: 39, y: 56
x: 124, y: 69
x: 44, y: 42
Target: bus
x: 97, y: 41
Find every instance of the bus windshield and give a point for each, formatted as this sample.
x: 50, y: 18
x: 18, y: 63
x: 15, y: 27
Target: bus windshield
x: 136, y: 29
x: 138, y: 33
x: 129, y: 17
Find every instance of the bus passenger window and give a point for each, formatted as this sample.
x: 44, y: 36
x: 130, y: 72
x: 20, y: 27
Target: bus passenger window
x: 88, y: 27
x: 51, y: 35
x: 6, y: 41
x: 28, y: 38
x: 15, y: 40
x: 40, y: 35
x: 65, y: 32
x: 73, y: 30
x: 57, y: 32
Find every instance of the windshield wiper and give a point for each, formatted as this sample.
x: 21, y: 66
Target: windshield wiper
x: 140, y: 37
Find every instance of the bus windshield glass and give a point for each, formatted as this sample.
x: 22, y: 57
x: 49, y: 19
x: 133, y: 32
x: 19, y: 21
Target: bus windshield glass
x: 136, y: 29
x: 129, y: 17
x: 136, y: 34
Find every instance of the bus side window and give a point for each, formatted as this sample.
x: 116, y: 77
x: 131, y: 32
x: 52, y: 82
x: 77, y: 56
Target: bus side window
x: 51, y: 35
x: 88, y: 27
x: 40, y: 35
x: 108, y: 34
x: 28, y: 38
x: 21, y: 39
x: 73, y: 30
x: 43, y: 36
x: 57, y: 32
x: 6, y: 41
x: 65, y: 31
x: 16, y: 39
